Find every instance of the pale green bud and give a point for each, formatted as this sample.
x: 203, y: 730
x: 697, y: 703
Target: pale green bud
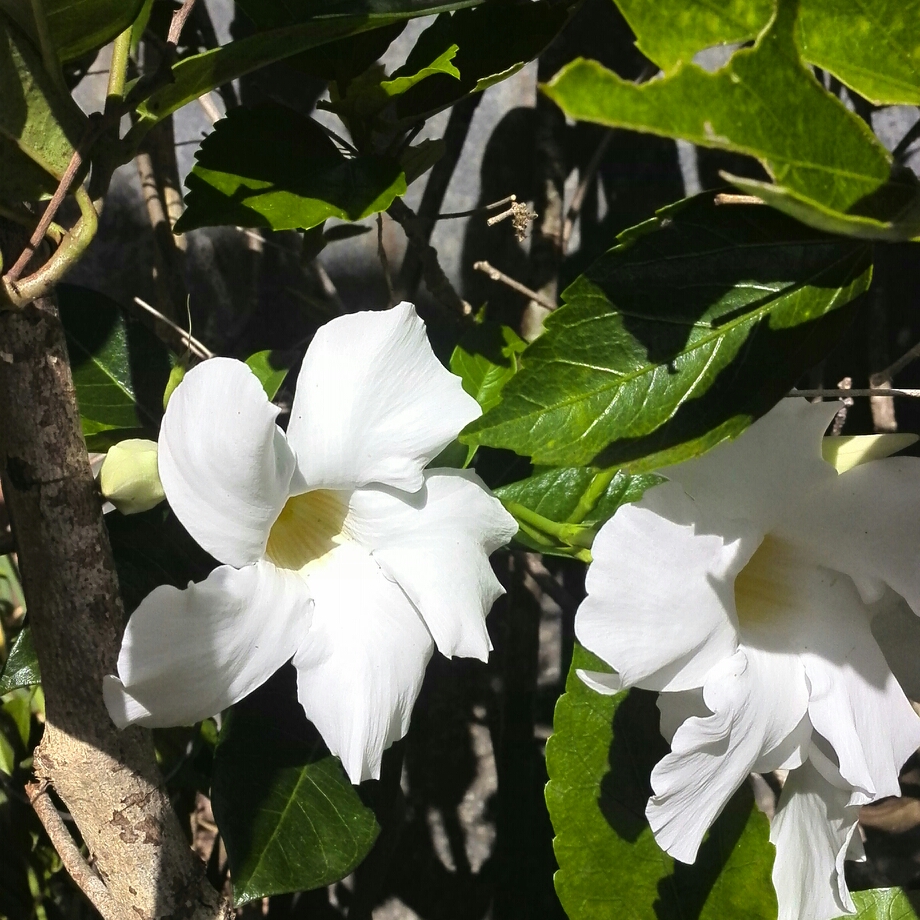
x: 129, y: 478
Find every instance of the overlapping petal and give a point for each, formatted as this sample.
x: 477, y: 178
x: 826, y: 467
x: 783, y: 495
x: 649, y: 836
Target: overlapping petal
x: 188, y: 654
x: 659, y: 600
x: 767, y: 470
x: 864, y: 522
x: 436, y: 544
x: 361, y: 667
x: 224, y: 463
x: 758, y: 702
x: 373, y: 403
x: 812, y: 830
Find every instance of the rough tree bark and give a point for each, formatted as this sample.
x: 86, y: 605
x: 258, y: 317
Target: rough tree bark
x: 107, y: 779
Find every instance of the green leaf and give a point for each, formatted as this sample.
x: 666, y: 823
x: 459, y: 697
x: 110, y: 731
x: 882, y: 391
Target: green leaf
x: 119, y: 367
x: 21, y: 668
x: 825, y: 155
x: 559, y: 510
x: 873, y: 48
x: 76, y: 26
x: 199, y: 74
x: 406, y: 77
x: 38, y: 128
x: 271, y: 375
x: 290, y: 819
x: 678, y: 337
x: 295, y: 177
x: 493, y: 42
x: 485, y: 359
x: 417, y: 160
x: 599, y: 760
x: 885, y: 904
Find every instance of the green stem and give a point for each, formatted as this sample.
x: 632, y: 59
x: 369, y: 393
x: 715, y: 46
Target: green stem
x: 20, y: 293
x: 121, y: 50
x: 572, y: 534
x: 591, y: 496
x: 49, y: 55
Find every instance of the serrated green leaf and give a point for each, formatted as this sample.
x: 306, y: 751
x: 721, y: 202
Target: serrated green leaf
x: 271, y: 375
x: 873, y: 48
x: 485, y: 359
x: 825, y: 155
x: 287, y: 814
x: 294, y: 178
x: 38, y: 128
x: 119, y: 366
x: 678, y: 337
x: 574, y: 501
x: 885, y: 904
x: 599, y: 761
x: 21, y: 668
x: 401, y: 80
x: 201, y: 73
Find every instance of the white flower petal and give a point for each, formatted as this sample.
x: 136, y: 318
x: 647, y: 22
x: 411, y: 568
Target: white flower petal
x: 373, y: 403
x: 896, y: 628
x: 675, y: 708
x: 767, y: 469
x: 660, y: 596
x: 601, y: 681
x: 436, y: 543
x: 865, y: 523
x: 757, y: 701
x: 855, y: 702
x: 188, y: 654
x: 362, y: 664
x: 224, y: 463
x: 812, y: 830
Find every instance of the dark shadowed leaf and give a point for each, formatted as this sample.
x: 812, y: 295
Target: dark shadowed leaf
x: 680, y: 336
x: 290, y: 819
x: 599, y: 760
x: 21, y: 668
x: 826, y: 157
x: 120, y: 368
x: 38, y: 128
x: 204, y: 72
x: 294, y: 178
x: 493, y: 42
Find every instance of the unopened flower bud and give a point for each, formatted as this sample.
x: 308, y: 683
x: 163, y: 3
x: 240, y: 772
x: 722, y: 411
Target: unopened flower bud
x: 129, y: 478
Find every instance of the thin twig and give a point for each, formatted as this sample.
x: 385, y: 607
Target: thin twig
x: 486, y: 207
x: 726, y: 198
x: 186, y: 338
x: 178, y: 22
x: 508, y: 281
x: 384, y: 262
x: 843, y: 394
x: 578, y: 199
x: 206, y: 101
x: 882, y: 377
x: 436, y: 280
x: 78, y: 868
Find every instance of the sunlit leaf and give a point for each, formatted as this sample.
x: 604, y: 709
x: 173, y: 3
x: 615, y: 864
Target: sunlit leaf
x: 39, y: 129
x: 680, y: 336
x: 825, y: 156
x: 21, y: 668
x: 271, y: 374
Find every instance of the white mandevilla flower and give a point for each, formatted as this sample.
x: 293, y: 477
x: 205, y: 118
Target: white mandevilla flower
x: 340, y: 549
x: 768, y: 598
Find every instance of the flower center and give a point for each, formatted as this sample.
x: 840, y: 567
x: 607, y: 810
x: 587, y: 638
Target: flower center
x: 764, y: 587
x: 308, y: 527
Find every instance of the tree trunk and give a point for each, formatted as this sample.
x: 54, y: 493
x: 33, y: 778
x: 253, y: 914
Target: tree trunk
x: 107, y: 779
